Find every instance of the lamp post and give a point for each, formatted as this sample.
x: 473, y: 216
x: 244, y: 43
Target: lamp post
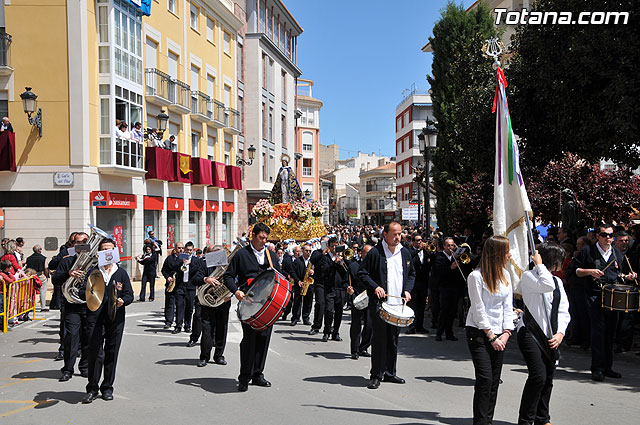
x: 428, y: 139
x: 29, y: 104
x: 252, y: 155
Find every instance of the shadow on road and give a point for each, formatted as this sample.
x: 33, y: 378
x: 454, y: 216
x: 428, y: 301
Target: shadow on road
x: 49, y: 332
x: 35, y: 341
x: 173, y: 344
x: 449, y: 380
x: 301, y: 338
x: 292, y: 331
x: 212, y: 385
x: 329, y: 355
x: 345, y: 381
x: 38, y: 355
x: 179, y: 362
x: 50, y: 398
x: 47, y: 374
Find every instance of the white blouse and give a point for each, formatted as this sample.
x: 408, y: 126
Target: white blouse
x: 487, y: 310
x: 537, y: 287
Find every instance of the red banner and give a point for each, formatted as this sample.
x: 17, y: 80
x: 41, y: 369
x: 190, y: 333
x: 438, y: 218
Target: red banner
x: 228, y: 207
x: 171, y: 236
x: 117, y: 235
x: 208, y: 233
x: 213, y: 206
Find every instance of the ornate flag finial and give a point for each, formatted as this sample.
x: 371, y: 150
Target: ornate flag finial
x: 493, y: 48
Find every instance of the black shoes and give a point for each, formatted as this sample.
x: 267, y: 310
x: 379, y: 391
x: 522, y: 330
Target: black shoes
x: 438, y: 338
x: 294, y: 322
x: 176, y: 330
x: 422, y: 331
x: 187, y: 330
x: 597, y: 376
x: 355, y: 356
x: 140, y: 300
x: 166, y: 327
x: 313, y: 331
x: 452, y: 338
x: 393, y: 379
x: 306, y: 322
x: 191, y: 343
x: 150, y: 299
x: 364, y: 353
x: 65, y: 377
x: 612, y: 374
x: 243, y: 386
x: 84, y: 373
x: 261, y: 382
x: 336, y: 337
x: 411, y: 331
x: 107, y: 396
x: 89, y: 397
x: 202, y: 363
x: 58, y: 357
x: 325, y: 337
x: 220, y: 360
x: 374, y: 384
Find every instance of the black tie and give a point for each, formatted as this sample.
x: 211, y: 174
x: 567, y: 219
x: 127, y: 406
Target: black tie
x: 555, y: 305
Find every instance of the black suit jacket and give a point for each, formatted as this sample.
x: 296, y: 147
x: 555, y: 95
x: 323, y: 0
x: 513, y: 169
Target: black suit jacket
x: 36, y: 261
x: 149, y: 264
x: 590, y: 258
x: 123, y: 290
x: 422, y: 268
x: 373, y: 270
x: 357, y: 284
x: 170, y: 266
x: 287, y: 265
x: 62, y: 271
x: 55, y: 261
x: 298, y: 270
x: 244, y: 266
x: 447, y: 277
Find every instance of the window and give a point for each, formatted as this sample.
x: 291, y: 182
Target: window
x: 307, y: 141
x: 283, y: 131
x: 210, y: 25
x: 174, y: 129
x: 270, y: 134
x: 307, y: 148
x: 193, y: 16
x: 227, y: 152
x: 307, y: 167
x: 195, y: 145
x: 227, y: 42
x: 211, y: 143
x: 128, y: 43
x: 195, y: 77
x: 263, y: 14
x: 211, y: 85
x: 272, y: 164
x: 173, y: 6
x: 264, y: 121
x: 265, y: 166
x: 284, y: 87
x: 264, y: 71
x: 227, y: 96
x: 240, y: 107
x: 239, y: 58
x: 270, y: 23
x: 399, y: 171
x: 398, y: 123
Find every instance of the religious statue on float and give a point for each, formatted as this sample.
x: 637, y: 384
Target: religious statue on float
x: 286, y: 189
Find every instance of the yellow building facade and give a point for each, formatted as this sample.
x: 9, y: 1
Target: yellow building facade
x: 95, y: 63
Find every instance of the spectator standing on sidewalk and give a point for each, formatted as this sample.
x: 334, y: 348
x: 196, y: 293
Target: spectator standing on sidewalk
x: 36, y: 261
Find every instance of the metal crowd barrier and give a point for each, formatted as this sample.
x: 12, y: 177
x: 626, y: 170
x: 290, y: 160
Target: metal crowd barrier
x: 18, y: 298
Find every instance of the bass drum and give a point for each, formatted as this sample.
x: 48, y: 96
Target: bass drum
x: 266, y: 298
x: 621, y: 298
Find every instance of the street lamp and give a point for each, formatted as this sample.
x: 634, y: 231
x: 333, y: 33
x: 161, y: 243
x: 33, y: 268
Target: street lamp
x: 428, y: 139
x: 252, y: 155
x: 29, y: 104
x: 162, y: 120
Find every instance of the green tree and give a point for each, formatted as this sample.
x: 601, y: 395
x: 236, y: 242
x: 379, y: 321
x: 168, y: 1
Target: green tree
x: 462, y: 83
x: 575, y: 88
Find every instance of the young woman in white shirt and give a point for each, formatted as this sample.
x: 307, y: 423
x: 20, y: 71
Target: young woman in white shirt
x: 541, y: 331
x: 489, y: 324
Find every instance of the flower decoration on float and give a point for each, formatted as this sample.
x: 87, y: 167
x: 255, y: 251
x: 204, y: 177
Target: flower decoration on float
x: 262, y: 209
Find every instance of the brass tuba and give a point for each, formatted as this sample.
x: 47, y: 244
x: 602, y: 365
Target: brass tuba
x: 213, y: 296
x: 84, y: 262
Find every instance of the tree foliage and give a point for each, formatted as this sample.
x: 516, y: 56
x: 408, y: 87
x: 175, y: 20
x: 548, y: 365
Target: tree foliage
x: 575, y: 88
x: 462, y: 84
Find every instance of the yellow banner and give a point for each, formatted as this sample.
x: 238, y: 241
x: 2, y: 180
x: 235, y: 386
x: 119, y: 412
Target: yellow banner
x: 184, y: 165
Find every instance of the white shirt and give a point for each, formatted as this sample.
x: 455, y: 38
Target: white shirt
x: 185, y: 275
x: 394, y: 273
x: 107, y: 275
x: 537, y: 292
x: 487, y: 310
x: 259, y: 254
x: 604, y: 254
x: 421, y: 256
x: 449, y: 257
x: 306, y: 262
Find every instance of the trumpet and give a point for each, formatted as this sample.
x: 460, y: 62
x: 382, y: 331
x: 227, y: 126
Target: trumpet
x: 348, y: 254
x: 430, y: 247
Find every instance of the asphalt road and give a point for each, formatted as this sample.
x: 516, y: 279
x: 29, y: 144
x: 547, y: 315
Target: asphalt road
x: 313, y: 382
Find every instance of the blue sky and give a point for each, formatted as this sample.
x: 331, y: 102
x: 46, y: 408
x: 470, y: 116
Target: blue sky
x: 361, y: 55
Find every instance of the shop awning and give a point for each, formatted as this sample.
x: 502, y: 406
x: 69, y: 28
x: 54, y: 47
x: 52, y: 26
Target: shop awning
x: 213, y: 206
x: 196, y: 205
x: 106, y: 199
x: 155, y: 203
x: 175, y: 204
x: 228, y: 207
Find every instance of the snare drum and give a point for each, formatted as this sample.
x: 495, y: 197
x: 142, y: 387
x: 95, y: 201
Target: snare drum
x: 396, y: 315
x: 621, y: 298
x: 361, y: 301
x: 266, y: 298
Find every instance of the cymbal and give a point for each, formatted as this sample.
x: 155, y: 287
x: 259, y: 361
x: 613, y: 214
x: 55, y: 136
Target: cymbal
x: 95, y: 290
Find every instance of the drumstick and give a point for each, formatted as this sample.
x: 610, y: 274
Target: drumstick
x: 631, y: 268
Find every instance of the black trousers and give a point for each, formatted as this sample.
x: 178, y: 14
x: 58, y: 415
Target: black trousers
x: 603, y: 326
x: 580, y: 326
x: 624, y: 330
x: 335, y: 299
x: 253, y: 352
x: 196, y: 321
x: 418, y: 303
x: 61, y: 331
x: 104, y: 346
x: 318, y: 311
x: 76, y: 336
x: 487, y: 363
x: 151, y: 279
x: 434, y: 304
x: 289, y: 307
x: 449, y: 308
x: 184, y: 307
x: 169, y: 307
x: 215, y: 321
x: 360, y: 330
x: 302, y: 305
x: 56, y: 298
x: 384, y: 345
x: 534, y: 405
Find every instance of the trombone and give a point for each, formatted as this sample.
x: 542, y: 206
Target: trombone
x: 463, y: 258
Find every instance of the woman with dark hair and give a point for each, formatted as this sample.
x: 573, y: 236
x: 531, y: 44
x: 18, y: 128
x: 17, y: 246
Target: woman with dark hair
x: 540, y: 332
x: 489, y: 324
x: 149, y: 261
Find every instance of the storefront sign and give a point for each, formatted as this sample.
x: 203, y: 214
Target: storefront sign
x: 99, y: 199
x: 196, y: 205
x: 175, y: 204
x: 213, y: 206
x: 117, y: 235
x: 106, y: 199
x: 155, y: 203
x: 228, y: 207
x: 171, y: 235
x: 63, y: 179
x: 410, y: 213
x: 389, y: 214
x: 352, y: 212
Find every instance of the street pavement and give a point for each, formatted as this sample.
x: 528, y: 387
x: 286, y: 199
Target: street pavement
x: 158, y: 382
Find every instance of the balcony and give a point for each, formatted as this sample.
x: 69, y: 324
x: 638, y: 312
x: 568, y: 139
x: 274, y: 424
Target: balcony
x: 180, y: 97
x: 201, y: 107
x: 219, y: 118
x: 232, y: 121
x: 5, y: 56
x: 7, y: 151
x: 158, y: 85
x: 121, y: 157
x: 380, y: 188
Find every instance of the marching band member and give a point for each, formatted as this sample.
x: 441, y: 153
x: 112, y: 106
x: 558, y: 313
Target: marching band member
x: 386, y: 270
x: 106, y: 333
x: 149, y: 262
x: 422, y: 265
x: 74, y: 316
x: 318, y: 259
x: 215, y: 321
x: 489, y: 324
x: 296, y: 282
x: 248, y: 263
x: 541, y: 330
x: 186, y: 288
x: 450, y: 283
x: 302, y: 305
x: 360, y: 329
x: 170, y: 268
x: 335, y: 285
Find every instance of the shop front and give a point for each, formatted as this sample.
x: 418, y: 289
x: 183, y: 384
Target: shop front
x: 212, y: 207
x: 153, y: 206
x: 175, y: 207
x: 196, y: 207
x: 228, y: 208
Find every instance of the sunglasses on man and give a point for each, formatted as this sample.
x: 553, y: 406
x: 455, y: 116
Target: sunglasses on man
x: 606, y: 235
